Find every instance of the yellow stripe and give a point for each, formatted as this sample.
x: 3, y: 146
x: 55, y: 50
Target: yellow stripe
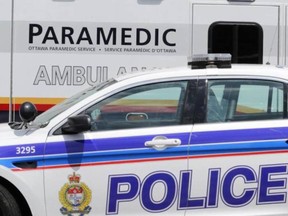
x: 19, y: 100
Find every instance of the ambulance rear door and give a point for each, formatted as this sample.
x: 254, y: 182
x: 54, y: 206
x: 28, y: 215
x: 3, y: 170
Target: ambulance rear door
x: 250, y: 33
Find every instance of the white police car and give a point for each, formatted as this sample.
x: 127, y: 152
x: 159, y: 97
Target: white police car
x: 174, y: 142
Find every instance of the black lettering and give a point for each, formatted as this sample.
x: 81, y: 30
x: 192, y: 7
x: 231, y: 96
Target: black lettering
x: 53, y: 36
x: 165, y: 37
x: 124, y: 36
x: 67, y: 32
x: 84, y: 35
x: 106, y: 40
x: 38, y: 30
x: 138, y: 36
x: 156, y: 37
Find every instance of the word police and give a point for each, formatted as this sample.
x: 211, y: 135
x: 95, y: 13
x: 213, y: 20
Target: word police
x: 267, y: 187
x: 101, y: 36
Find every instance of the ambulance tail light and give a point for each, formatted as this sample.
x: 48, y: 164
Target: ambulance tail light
x: 221, y: 60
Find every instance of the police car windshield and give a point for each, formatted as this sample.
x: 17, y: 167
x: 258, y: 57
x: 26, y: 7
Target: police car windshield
x: 44, y: 118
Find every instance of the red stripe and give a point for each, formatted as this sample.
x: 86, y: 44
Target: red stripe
x: 4, y: 107
x: 43, y: 107
x: 239, y: 154
x: 157, y: 159
x: 104, y: 163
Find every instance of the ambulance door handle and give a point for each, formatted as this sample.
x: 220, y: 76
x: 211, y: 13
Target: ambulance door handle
x: 161, y: 143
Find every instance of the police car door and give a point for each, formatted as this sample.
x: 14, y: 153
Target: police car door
x: 130, y: 163
x: 238, y: 155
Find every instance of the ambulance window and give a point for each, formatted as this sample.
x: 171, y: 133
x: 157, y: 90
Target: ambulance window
x: 244, y: 41
x: 244, y: 100
x: 152, y: 105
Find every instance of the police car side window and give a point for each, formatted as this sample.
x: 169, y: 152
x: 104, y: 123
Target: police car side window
x: 152, y: 105
x: 244, y: 100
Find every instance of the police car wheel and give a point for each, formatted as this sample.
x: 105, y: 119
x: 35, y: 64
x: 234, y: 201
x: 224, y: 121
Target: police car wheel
x: 8, y: 205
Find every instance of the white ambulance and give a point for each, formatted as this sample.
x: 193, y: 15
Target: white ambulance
x: 51, y: 49
x: 211, y: 140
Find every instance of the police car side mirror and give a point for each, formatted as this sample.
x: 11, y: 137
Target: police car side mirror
x: 77, y: 124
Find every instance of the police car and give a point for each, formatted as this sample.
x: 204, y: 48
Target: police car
x: 207, y: 139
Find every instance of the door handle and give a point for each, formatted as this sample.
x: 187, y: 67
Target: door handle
x: 162, y: 142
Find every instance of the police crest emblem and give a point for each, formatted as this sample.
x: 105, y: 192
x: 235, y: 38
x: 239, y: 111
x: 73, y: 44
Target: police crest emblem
x: 75, y: 197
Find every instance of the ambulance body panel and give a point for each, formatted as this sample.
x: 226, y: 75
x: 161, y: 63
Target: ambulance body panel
x: 5, y: 53
x: 58, y: 48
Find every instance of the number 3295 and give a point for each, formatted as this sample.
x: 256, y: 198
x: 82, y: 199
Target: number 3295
x: 25, y: 150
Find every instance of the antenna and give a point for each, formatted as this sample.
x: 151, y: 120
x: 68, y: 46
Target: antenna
x: 271, y: 46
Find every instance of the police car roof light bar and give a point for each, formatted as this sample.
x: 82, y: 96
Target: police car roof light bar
x: 219, y: 60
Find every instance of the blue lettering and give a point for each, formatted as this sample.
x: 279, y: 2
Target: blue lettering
x: 228, y: 195
x: 186, y: 201
x: 170, y: 187
x: 267, y: 184
x: 237, y: 187
x: 122, y: 188
x: 213, y: 188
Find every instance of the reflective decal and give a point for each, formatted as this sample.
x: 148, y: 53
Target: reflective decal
x: 75, y: 197
x: 236, y: 187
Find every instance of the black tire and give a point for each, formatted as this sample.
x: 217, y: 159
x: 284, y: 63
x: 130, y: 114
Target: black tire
x: 8, y: 204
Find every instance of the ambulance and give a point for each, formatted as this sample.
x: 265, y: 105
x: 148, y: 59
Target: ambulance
x: 51, y: 49
x: 205, y: 139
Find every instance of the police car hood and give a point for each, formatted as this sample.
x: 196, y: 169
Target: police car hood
x: 6, y: 133
x: 4, y: 127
